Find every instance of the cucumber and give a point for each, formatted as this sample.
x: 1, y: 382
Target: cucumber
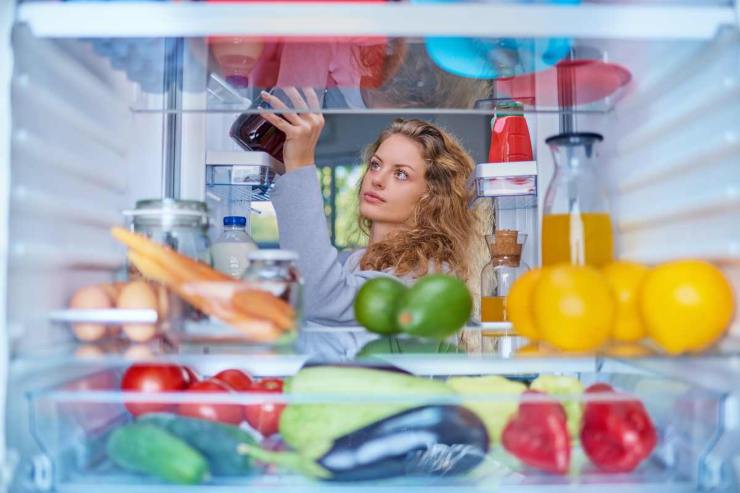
x: 218, y: 442
x: 152, y: 450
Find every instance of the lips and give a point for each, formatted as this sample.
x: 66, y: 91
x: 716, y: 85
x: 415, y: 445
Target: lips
x: 372, y: 198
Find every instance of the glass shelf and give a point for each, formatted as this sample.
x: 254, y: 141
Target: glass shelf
x: 400, y: 75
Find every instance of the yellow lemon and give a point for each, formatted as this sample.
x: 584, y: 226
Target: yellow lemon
x: 686, y: 304
x: 625, y: 279
x: 573, y: 307
x: 519, y: 304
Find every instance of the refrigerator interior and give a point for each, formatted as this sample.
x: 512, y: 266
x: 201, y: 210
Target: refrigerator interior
x: 89, y: 129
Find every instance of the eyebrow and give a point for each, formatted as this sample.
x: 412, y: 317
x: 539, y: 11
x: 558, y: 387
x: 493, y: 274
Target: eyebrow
x: 398, y: 165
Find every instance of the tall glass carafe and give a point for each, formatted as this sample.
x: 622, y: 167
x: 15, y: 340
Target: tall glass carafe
x: 576, y: 221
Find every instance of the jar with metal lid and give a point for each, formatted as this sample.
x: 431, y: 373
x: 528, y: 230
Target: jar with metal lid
x: 276, y: 271
x: 180, y: 224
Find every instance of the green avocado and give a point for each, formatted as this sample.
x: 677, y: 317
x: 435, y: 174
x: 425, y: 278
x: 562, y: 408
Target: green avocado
x: 436, y: 306
x: 376, y: 305
x: 402, y: 345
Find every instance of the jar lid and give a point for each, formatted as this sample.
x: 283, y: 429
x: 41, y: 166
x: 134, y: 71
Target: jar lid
x: 574, y: 139
x: 272, y: 254
x: 169, y: 211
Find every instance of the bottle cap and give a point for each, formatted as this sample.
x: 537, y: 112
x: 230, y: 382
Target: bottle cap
x: 235, y: 221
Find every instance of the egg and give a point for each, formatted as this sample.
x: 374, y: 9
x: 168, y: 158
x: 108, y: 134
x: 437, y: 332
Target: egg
x: 138, y: 352
x: 86, y: 298
x: 113, y: 289
x: 138, y: 295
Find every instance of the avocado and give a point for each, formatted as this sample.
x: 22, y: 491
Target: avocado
x: 376, y: 305
x: 435, y: 307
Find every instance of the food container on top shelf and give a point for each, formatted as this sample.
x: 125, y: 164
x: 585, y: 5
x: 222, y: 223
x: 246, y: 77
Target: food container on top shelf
x: 353, y: 428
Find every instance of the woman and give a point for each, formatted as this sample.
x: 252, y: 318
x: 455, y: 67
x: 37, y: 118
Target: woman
x: 414, y: 199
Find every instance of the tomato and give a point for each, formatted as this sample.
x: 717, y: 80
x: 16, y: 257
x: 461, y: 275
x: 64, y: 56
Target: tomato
x: 236, y: 379
x: 152, y: 378
x: 193, y: 376
x: 265, y: 417
x: 224, y: 413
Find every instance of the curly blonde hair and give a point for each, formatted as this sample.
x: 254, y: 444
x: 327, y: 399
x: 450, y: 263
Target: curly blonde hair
x: 443, y: 228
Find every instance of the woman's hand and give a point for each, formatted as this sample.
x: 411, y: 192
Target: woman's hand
x: 301, y: 130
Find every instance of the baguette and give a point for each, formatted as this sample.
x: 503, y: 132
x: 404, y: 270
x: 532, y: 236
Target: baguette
x: 258, y: 329
x: 184, y: 266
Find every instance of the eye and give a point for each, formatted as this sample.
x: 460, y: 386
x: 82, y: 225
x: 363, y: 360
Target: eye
x: 402, y: 175
x: 374, y: 165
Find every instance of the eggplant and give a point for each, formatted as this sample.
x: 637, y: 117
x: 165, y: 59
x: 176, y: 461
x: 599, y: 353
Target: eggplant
x: 441, y: 440
x: 432, y: 440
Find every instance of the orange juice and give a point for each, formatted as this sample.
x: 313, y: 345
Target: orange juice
x: 582, y: 239
x: 493, y: 309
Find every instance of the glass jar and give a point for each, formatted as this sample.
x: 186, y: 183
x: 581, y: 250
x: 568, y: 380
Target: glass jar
x: 179, y: 224
x: 499, y: 274
x: 276, y: 271
x: 576, y: 221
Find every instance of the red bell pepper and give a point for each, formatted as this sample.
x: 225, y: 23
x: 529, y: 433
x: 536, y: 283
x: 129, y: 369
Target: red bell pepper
x: 538, y: 434
x: 617, y: 434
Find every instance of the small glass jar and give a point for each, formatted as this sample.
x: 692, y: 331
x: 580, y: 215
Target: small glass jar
x: 276, y: 271
x: 500, y: 273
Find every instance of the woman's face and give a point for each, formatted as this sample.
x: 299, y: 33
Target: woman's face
x: 394, y: 181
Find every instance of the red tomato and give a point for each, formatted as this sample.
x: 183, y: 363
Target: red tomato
x: 265, y: 418
x: 224, y: 413
x: 236, y: 379
x: 193, y: 376
x: 152, y: 378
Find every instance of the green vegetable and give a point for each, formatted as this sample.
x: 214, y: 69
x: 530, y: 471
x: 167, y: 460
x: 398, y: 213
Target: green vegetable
x: 560, y: 386
x: 152, y: 450
x: 218, y: 442
x: 500, y: 407
x: 311, y: 428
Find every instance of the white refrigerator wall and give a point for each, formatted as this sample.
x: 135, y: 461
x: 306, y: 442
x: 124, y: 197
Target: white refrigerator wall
x: 79, y: 156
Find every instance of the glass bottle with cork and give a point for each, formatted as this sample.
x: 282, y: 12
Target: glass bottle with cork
x: 499, y: 275
x: 576, y: 224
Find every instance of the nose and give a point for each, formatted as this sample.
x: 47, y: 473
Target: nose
x: 378, y: 180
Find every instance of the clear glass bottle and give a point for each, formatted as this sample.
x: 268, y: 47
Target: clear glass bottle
x: 576, y: 221
x: 231, y: 249
x: 499, y: 274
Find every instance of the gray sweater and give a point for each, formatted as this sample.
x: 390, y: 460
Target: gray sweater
x: 331, y: 279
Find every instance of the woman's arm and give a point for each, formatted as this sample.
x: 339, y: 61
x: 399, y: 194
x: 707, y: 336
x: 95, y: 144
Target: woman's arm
x: 329, y: 289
